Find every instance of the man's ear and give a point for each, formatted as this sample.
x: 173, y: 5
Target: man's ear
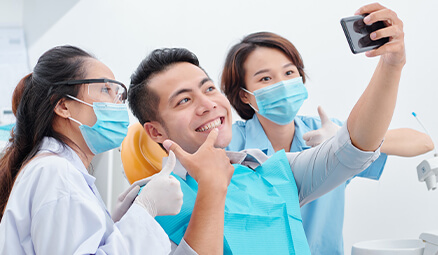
x: 244, y: 96
x: 155, y: 131
x: 62, y: 108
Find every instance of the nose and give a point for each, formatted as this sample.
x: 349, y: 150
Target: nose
x: 205, y: 105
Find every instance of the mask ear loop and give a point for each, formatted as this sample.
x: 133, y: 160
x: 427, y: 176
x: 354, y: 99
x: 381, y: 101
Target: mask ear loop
x: 70, y: 118
x: 80, y: 101
x: 249, y: 92
x: 257, y: 111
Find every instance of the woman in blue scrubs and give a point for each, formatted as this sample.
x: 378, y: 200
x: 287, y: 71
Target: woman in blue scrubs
x: 263, y: 78
x: 67, y: 111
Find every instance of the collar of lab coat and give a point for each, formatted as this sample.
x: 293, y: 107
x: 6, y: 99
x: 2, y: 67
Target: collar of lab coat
x: 50, y: 144
x: 250, y: 157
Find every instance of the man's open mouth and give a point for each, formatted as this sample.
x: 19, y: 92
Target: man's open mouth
x: 213, y: 124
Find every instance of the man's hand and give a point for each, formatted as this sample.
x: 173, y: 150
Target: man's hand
x: 208, y: 164
x: 392, y: 52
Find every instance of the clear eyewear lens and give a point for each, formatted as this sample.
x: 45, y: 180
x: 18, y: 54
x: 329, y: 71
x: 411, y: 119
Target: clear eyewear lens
x: 107, y: 92
x: 121, y: 94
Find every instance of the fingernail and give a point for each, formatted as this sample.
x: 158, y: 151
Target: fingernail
x: 167, y: 144
x: 373, y: 35
x: 367, y: 19
x: 357, y: 12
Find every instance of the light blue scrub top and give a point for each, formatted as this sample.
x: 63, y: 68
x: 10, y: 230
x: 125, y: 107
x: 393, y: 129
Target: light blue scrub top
x: 323, y: 218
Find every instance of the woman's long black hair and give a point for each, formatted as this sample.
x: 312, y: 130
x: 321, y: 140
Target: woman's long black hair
x: 33, y: 103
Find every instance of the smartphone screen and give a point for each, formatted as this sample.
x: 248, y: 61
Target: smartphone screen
x: 358, y: 34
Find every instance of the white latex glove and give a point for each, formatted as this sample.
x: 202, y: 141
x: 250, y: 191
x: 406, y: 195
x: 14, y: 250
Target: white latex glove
x: 162, y: 195
x: 328, y: 129
x: 125, y: 200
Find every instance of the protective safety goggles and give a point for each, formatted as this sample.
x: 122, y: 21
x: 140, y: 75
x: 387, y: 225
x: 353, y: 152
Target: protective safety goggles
x: 102, y: 90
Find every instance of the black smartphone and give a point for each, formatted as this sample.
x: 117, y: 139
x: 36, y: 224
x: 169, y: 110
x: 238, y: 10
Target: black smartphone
x: 358, y: 34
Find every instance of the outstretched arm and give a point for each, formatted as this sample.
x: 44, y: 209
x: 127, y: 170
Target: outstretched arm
x: 322, y: 168
x: 370, y: 117
x: 406, y: 142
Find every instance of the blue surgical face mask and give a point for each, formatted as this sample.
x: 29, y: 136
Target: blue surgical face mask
x: 281, y: 101
x: 110, y: 128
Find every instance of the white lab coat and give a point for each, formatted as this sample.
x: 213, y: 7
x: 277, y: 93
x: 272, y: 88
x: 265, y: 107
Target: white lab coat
x: 55, y: 208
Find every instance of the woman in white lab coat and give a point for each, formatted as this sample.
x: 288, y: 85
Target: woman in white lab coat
x: 68, y: 110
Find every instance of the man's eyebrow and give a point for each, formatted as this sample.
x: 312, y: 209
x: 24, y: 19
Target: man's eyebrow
x: 205, y: 80
x: 177, y: 93
x: 181, y: 91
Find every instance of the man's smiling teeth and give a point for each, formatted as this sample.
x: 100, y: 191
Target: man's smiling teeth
x: 210, y: 125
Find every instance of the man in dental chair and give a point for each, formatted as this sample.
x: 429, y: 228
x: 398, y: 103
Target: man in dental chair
x: 244, y: 202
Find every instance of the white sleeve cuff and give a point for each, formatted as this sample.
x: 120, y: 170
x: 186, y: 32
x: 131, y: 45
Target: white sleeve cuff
x: 182, y: 249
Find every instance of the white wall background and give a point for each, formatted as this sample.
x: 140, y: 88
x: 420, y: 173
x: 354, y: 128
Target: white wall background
x: 122, y: 33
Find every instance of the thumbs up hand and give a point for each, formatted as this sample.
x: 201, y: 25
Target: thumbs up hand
x: 162, y: 195
x: 328, y: 129
x: 209, y: 166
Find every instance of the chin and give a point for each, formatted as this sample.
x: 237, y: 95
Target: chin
x: 222, y: 142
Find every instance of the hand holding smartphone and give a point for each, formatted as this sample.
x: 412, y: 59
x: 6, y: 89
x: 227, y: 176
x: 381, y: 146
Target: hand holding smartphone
x: 358, y: 33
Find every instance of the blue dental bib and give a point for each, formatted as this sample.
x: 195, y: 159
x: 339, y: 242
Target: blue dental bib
x: 262, y: 211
